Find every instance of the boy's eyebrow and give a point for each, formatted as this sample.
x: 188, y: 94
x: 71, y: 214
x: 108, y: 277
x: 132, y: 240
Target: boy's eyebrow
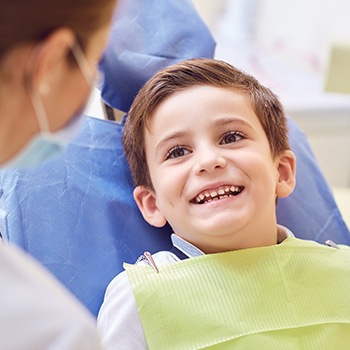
x: 225, y: 121
x: 170, y: 137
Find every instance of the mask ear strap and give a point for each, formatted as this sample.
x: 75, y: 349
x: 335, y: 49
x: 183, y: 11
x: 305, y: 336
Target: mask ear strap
x: 37, y: 104
x: 82, y: 63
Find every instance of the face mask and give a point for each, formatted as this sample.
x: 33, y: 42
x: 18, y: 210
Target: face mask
x: 47, y: 145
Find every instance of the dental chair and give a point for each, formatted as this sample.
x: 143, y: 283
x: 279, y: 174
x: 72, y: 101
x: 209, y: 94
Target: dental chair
x: 76, y: 214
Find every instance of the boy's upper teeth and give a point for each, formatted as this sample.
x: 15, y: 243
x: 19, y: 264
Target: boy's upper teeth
x: 221, y: 192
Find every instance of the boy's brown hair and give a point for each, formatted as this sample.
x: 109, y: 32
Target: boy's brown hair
x: 187, y: 74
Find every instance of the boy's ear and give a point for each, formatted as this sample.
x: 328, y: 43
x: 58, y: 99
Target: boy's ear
x: 286, y: 168
x: 147, y: 203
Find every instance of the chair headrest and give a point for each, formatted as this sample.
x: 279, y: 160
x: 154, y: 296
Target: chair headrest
x: 146, y: 36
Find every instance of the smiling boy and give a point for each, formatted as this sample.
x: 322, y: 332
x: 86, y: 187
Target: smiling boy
x: 211, y: 159
x: 213, y: 177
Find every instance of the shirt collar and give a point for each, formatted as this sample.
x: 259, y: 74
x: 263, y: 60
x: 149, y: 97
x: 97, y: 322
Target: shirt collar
x: 191, y: 251
x: 187, y: 248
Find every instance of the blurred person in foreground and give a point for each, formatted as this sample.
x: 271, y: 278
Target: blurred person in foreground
x: 48, y: 55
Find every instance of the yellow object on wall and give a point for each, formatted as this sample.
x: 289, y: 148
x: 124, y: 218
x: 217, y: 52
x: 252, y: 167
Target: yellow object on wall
x: 338, y: 74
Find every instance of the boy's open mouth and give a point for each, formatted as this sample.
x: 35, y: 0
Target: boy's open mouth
x: 219, y: 193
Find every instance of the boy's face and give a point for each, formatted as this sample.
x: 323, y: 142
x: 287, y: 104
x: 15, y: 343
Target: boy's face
x: 214, y: 178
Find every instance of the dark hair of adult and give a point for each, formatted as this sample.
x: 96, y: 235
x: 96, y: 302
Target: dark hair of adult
x: 30, y: 21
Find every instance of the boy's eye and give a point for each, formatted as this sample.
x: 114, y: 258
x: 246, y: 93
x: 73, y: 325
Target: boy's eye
x: 231, y: 137
x: 176, y: 152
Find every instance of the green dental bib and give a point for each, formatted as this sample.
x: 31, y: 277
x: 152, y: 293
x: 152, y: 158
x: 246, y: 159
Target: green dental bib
x: 295, y: 295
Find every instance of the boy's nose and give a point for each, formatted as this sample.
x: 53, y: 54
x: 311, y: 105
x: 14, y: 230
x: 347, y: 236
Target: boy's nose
x: 209, y: 160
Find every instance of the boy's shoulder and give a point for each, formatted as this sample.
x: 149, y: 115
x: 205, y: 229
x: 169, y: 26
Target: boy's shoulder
x: 120, y: 288
x: 160, y: 258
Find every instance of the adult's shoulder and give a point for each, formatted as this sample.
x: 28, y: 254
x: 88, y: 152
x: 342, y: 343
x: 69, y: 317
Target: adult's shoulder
x: 36, y: 306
